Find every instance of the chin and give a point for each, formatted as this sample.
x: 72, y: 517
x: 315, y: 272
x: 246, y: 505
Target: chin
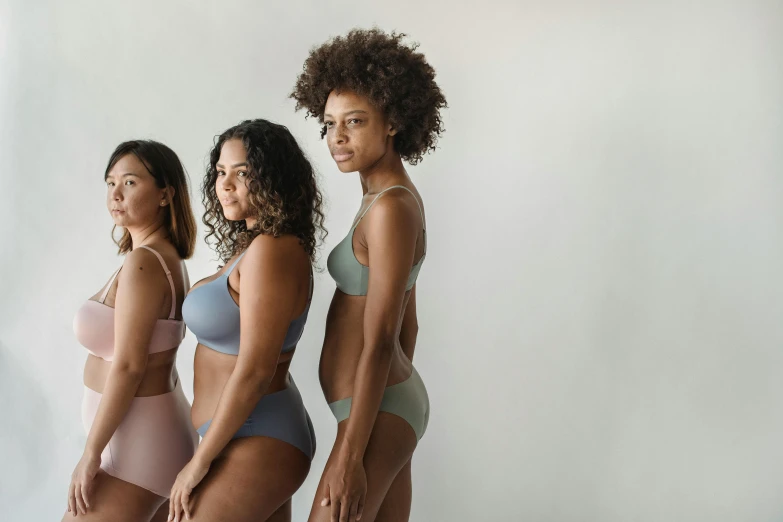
x: 346, y: 167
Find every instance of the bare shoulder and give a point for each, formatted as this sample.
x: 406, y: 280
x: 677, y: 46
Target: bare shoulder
x: 277, y: 253
x: 395, y: 209
x: 141, y: 270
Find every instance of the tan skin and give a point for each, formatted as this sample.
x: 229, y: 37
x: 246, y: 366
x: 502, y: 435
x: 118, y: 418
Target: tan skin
x: 370, y: 340
x: 251, y: 478
x: 140, y: 295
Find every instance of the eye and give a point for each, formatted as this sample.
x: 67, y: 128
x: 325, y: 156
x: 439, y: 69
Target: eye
x: 221, y: 173
x: 129, y: 182
x: 328, y: 124
x: 241, y: 173
x: 109, y: 183
x: 356, y: 120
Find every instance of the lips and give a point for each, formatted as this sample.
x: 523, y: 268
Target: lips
x: 342, y: 155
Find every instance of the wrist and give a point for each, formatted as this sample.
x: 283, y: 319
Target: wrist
x: 350, y: 453
x: 91, y: 454
x: 201, y: 460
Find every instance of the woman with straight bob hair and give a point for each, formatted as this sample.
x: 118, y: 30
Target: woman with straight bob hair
x: 134, y: 411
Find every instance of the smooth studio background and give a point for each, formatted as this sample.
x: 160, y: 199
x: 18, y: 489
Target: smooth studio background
x: 601, y: 304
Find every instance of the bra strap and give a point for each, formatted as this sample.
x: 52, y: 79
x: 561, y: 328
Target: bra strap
x: 108, y: 286
x: 421, y: 212
x: 168, y: 275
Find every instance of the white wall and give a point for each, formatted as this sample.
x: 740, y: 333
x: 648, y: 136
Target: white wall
x: 601, y: 304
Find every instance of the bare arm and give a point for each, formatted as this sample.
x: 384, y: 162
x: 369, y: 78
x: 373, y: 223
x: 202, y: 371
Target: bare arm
x: 267, y: 301
x: 139, y: 300
x: 410, y: 326
x: 391, y: 226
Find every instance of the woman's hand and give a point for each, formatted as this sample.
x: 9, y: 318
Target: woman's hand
x: 345, y: 488
x: 187, y: 479
x: 82, y: 481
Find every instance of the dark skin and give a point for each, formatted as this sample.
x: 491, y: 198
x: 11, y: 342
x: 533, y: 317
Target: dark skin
x: 370, y: 340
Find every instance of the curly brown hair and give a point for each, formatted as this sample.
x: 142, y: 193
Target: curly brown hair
x: 282, y: 188
x: 392, y: 75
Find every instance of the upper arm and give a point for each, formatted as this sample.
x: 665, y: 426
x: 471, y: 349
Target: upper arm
x: 268, y: 295
x: 392, y: 230
x: 140, y: 297
x: 410, y: 326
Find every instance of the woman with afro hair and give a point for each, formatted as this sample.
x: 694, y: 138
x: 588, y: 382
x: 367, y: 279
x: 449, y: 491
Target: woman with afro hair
x: 379, y: 106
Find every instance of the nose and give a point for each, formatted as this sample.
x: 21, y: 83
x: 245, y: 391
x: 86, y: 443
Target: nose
x: 116, y: 193
x: 339, y: 136
x: 226, y: 182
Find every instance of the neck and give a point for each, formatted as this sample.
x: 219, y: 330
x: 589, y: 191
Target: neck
x: 147, y: 234
x: 384, y: 173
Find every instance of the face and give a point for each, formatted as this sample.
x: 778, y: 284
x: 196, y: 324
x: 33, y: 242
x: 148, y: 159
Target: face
x: 132, y: 196
x: 231, y: 183
x: 357, y: 133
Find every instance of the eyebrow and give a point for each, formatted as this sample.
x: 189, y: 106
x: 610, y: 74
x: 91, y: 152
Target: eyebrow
x: 357, y: 111
x: 124, y: 175
x: 235, y: 165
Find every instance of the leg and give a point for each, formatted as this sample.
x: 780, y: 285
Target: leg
x: 163, y: 513
x: 390, y: 448
x: 396, y: 507
x: 250, y: 481
x: 114, y: 500
x: 283, y: 513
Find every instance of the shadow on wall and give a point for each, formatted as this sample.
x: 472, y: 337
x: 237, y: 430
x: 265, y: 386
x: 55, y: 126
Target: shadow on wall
x: 25, y: 431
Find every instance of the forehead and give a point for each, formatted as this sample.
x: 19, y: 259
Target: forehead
x: 233, y: 151
x: 129, y: 164
x: 342, y: 102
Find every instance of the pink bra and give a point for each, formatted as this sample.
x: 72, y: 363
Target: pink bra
x: 94, y: 323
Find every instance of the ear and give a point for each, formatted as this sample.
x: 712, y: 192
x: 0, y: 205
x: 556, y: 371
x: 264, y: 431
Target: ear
x: 167, y: 197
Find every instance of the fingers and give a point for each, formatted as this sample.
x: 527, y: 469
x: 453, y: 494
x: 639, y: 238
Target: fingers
x: 326, y: 499
x: 360, y: 507
x: 345, y: 509
x: 352, y: 513
x: 71, y: 499
x: 186, y: 505
x: 335, y: 510
x: 81, y: 509
x: 172, y: 503
x: 86, y: 488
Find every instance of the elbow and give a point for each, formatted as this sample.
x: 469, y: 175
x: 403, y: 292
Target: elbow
x: 383, y: 345
x: 129, y: 371
x: 256, y: 379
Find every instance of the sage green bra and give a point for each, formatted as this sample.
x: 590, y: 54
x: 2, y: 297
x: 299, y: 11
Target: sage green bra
x: 350, y: 275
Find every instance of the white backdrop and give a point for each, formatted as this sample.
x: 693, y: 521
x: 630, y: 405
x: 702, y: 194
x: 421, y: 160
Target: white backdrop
x: 601, y: 304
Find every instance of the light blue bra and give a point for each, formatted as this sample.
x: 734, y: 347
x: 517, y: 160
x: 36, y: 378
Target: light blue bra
x: 213, y: 316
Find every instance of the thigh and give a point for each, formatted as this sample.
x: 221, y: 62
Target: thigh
x: 114, y: 500
x: 390, y: 447
x: 396, y: 506
x: 283, y: 513
x: 163, y: 513
x: 249, y: 481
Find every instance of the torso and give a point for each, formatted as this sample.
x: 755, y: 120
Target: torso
x: 212, y: 369
x: 160, y: 376
x: 344, y: 336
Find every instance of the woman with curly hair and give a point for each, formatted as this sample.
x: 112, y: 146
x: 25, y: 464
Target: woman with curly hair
x: 263, y: 210
x: 379, y: 106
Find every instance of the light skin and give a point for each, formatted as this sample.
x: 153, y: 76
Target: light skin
x: 140, y: 296
x: 251, y: 478
x: 370, y: 339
